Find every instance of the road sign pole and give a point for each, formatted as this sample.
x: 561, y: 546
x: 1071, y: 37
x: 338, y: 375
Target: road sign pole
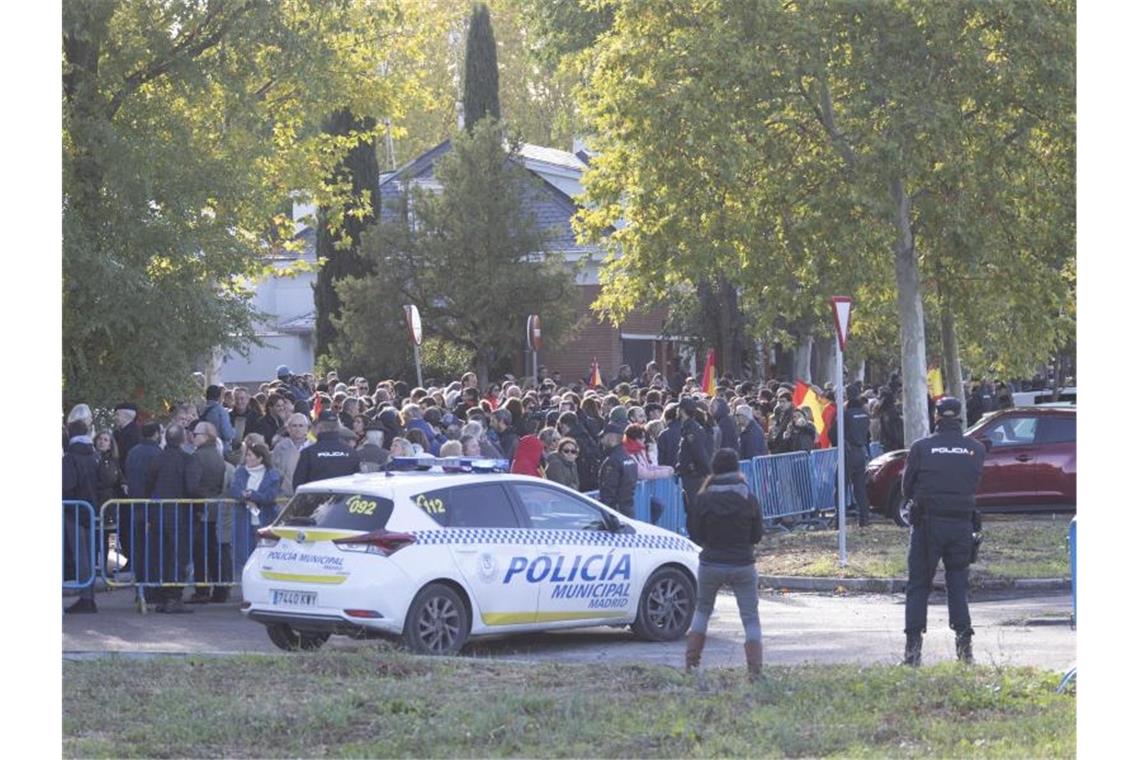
x: 841, y: 489
x: 534, y: 356
x: 419, y: 371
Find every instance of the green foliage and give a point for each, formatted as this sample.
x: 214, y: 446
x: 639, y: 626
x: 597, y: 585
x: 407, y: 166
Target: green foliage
x: 470, y: 257
x: 761, y: 141
x: 186, y: 127
x: 480, y: 70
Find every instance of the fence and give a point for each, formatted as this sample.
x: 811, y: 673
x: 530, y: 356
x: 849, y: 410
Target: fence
x: 79, y: 531
x: 177, y: 542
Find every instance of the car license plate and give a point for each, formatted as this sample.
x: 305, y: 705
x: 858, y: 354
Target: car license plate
x: 295, y: 598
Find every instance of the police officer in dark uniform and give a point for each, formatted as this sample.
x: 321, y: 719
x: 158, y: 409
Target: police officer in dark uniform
x: 617, y: 475
x: 329, y: 457
x: 856, y: 435
x: 942, y: 474
x: 694, y: 454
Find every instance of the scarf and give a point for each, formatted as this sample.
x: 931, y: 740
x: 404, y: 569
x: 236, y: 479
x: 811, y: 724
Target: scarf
x: 633, y: 447
x: 256, y: 474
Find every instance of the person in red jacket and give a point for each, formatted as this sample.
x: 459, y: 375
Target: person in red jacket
x: 529, y: 457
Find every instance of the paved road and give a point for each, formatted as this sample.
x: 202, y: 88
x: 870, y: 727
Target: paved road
x: 798, y: 628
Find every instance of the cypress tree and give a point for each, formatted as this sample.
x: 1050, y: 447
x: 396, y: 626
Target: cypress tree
x: 341, y: 248
x: 480, y: 70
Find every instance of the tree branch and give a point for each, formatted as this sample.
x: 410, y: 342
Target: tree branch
x: 188, y: 47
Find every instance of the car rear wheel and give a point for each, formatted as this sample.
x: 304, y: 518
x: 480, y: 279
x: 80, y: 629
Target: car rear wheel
x: 894, y: 507
x: 667, y: 606
x: 437, y: 621
x: 291, y: 640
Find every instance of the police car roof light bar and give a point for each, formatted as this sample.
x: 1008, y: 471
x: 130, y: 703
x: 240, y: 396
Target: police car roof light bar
x: 451, y: 464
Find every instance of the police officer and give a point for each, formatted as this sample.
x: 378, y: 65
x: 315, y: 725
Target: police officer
x: 617, y: 475
x: 694, y: 452
x: 856, y: 435
x: 329, y: 457
x: 942, y: 474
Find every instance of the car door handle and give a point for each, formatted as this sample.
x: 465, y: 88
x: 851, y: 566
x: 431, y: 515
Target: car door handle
x: 466, y: 551
x: 1023, y: 457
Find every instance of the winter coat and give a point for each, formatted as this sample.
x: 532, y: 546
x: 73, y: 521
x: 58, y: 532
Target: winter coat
x: 589, y: 458
x: 173, y: 474
x: 668, y: 443
x: 890, y: 427
x: 617, y: 480
x: 219, y: 417
x: 561, y: 470
x: 138, y: 464
x: 434, y: 439
x: 81, y: 476
x: 729, y: 438
x: 529, y: 457
x: 798, y: 438
x: 694, y: 454
x: 329, y: 457
x: 752, y: 442
x: 110, y: 483
x: 126, y: 438
x: 213, y: 477
x: 726, y: 521
x: 284, y: 459
x: 265, y: 497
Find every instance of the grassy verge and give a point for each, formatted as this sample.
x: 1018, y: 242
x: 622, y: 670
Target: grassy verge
x: 1014, y: 547
x: 377, y: 703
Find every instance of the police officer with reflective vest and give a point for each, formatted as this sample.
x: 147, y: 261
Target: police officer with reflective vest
x: 329, y: 457
x: 942, y: 475
x: 856, y: 435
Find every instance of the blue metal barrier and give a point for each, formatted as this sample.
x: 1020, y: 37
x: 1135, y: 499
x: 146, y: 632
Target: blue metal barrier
x: 78, y: 544
x: 783, y: 483
x: 175, y: 543
x: 1073, y: 565
x: 668, y: 492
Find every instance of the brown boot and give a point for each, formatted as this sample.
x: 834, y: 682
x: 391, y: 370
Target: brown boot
x: 754, y: 655
x: 694, y: 645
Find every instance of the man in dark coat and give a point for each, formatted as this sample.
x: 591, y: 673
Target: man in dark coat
x: 617, y: 476
x: 329, y: 457
x: 856, y: 434
x: 729, y: 438
x: 670, y: 439
x: 173, y: 474
x: 138, y: 465
x: 752, y: 442
x: 80, y: 476
x: 128, y: 431
x: 211, y: 485
x: 245, y: 420
x: 589, y: 457
x: 695, y: 451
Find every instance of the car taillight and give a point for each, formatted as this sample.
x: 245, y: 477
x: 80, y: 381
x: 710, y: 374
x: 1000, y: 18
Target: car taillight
x: 266, y: 537
x: 380, y: 542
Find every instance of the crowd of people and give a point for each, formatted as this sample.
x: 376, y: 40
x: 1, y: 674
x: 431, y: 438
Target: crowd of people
x: 249, y: 443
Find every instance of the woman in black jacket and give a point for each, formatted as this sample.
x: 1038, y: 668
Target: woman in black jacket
x: 726, y: 522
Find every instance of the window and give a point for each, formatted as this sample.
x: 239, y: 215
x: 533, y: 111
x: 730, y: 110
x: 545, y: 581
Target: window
x: 342, y: 511
x: 1013, y: 431
x: 481, y: 505
x: 550, y: 509
x: 1058, y: 430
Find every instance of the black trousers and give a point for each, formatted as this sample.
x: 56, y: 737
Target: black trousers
x: 932, y: 539
x: 855, y: 462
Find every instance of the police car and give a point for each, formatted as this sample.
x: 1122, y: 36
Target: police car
x: 435, y: 557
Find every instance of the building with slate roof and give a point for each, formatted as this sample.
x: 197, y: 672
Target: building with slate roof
x: 289, y: 330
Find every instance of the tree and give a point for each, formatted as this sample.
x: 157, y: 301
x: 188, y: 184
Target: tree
x: 187, y: 126
x: 810, y: 149
x: 480, y: 70
x: 339, y: 227
x: 470, y: 257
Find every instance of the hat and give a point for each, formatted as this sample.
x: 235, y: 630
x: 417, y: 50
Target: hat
x: 129, y: 406
x: 619, y: 415
x: 283, y: 371
x: 687, y: 405
x: 327, y: 415
x: 613, y: 427
x: 948, y: 407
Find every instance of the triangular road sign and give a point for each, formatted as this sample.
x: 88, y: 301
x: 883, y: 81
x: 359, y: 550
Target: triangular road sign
x: 841, y: 309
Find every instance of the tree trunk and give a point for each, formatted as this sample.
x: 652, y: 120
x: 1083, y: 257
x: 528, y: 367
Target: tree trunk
x: 722, y: 323
x: 801, y: 368
x: 951, y: 364
x: 825, y: 362
x: 912, y: 325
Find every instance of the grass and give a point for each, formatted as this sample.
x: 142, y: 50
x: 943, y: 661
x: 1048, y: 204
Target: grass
x: 1014, y: 547
x: 375, y: 702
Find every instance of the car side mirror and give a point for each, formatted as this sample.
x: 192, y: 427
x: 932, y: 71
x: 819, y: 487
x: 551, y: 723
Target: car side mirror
x: 989, y: 444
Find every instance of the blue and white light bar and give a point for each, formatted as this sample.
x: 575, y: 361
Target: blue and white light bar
x: 449, y: 464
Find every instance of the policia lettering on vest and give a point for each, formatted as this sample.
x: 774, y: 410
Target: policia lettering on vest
x: 942, y: 475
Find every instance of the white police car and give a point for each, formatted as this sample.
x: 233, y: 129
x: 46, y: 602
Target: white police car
x: 435, y: 557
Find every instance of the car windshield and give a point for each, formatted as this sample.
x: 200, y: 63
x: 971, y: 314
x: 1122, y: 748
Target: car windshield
x: 341, y: 511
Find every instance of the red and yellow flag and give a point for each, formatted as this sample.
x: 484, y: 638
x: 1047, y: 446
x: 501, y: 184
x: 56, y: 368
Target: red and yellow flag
x: 317, y: 406
x: 595, y: 374
x: 708, y: 380
x: 803, y: 395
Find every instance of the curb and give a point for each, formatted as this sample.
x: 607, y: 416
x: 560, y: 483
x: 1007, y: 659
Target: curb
x: 898, y: 585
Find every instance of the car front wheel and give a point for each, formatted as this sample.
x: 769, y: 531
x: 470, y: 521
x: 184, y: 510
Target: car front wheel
x: 291, y: 640
x: 437, y: 621
x: 667, y: 606
x: 895, y: 507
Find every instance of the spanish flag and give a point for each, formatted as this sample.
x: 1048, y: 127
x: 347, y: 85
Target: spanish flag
x: 708, y: 381
x: 803, y: 395
x: 595, y: 375
x: 317, y: 406
x: 934, y: 383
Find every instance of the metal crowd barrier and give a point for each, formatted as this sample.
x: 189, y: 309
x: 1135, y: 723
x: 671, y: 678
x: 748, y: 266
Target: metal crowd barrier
x: 78, y: 544
x: 668, y: 492
x: 179, y: 542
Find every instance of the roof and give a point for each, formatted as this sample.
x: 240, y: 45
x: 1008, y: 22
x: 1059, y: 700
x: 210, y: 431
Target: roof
x: 300, y: 325
x: 551, y: 156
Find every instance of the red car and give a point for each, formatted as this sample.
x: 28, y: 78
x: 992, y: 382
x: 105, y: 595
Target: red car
x: 1031, y: 464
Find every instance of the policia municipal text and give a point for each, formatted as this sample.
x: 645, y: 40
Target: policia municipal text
x: 942, y: 474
